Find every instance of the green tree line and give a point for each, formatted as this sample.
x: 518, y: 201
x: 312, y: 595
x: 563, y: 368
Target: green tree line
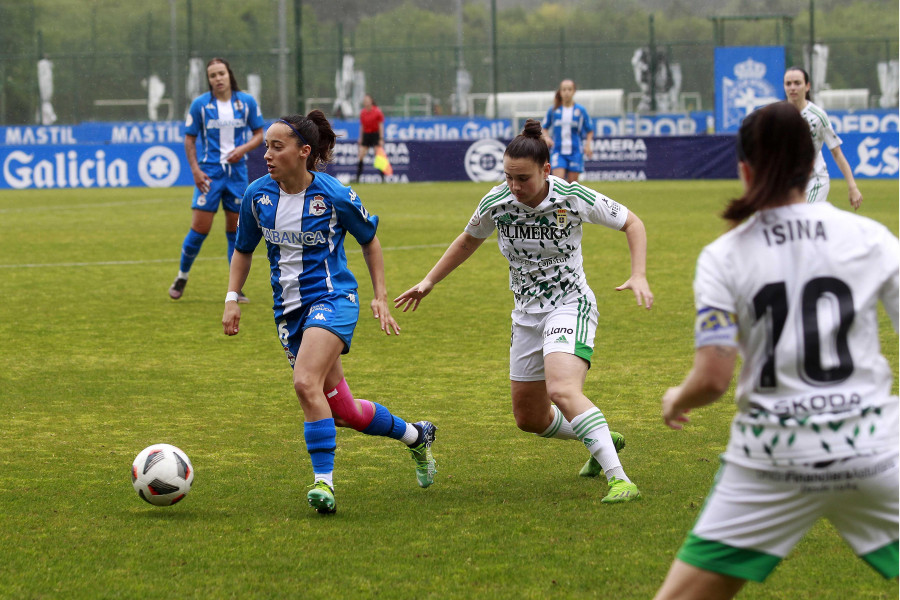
x: 105, y: 48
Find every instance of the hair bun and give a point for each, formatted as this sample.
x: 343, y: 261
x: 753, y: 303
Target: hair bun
x: 532, y: 128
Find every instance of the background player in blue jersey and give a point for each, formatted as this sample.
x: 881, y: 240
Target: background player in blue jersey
x: 228, y: 124
x: 568, y: 131
x: 304, y: 216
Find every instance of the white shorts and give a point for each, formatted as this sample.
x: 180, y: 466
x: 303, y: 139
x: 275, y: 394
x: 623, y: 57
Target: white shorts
x: 753, y: 517
x: 569, y: 328
x: 817, y: 189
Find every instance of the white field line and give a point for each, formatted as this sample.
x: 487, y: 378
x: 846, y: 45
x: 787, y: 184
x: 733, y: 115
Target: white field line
x: 174, y: 259
x: 60, y: 207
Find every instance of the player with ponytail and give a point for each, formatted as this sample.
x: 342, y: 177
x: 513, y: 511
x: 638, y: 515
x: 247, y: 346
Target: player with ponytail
x: 304, y: 215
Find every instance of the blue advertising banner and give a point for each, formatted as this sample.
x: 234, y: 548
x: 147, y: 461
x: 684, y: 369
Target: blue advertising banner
x: 93, y: 166
x: 747, y: 77
x: 870, y: 156
x: 438, y: 129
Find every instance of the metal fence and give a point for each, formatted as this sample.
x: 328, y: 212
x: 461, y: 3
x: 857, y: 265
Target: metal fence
x: 407, y: 80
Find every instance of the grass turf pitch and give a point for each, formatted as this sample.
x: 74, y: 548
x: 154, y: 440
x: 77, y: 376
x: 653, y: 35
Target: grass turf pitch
x: 97, y: 363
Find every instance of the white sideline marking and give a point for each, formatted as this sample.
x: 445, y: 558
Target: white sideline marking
x: 172, y: 260
x: 81, y: 206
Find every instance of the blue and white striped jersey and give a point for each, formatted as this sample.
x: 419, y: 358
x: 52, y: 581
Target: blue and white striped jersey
x: 222, y: 126
x: 568, y: 127
x: 304, y: 236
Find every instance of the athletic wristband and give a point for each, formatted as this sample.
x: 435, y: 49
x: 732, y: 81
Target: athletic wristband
x: 231, y: 297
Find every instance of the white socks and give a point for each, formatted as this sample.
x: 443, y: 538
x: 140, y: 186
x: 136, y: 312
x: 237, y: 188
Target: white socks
x: 591, y: 428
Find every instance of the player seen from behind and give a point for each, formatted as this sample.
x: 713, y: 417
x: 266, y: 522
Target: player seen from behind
x: 793, y: 290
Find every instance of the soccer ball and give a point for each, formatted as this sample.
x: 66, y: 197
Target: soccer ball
x: 162, y: 474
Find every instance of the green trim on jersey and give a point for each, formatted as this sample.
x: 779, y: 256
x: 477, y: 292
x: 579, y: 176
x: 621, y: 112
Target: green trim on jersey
x: 489, y: 201
x: 884, y: 560
x: 814, y: 111
x: 575, y: 189
x: 727, y: 560
x: 813, y: 194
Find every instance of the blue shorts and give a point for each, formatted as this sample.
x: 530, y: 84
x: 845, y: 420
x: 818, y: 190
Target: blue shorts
x: 337, y: 312
x: 569, y: 162
x: 229, y: 182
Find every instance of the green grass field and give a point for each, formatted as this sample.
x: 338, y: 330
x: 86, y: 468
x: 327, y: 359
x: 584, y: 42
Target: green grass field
x: 96, y: 362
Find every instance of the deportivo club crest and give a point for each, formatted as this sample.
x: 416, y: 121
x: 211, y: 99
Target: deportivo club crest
x: 317, y: 206
x: 747, y: 92
x: 562, y: 218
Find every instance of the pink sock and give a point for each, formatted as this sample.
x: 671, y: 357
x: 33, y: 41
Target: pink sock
x: 357, y: 413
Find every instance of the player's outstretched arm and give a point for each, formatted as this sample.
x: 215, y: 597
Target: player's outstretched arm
x: 237, y: 277
x: 461, y: 249
x: 375, y: 262
x: 637, y: 245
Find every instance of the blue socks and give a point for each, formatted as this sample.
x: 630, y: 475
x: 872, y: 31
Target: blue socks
x: 320, y: 443
x: 385, y: 424
x: 230, y: 236
x: 190, y: 249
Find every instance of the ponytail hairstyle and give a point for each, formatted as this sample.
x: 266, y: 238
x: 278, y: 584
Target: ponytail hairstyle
x: 530, y: 144
x: 231, y: 77
x: 774, y: 142
x: 314, y: 131
x: 805, y: 79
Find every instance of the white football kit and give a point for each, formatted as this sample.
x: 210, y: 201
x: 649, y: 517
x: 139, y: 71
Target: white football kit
x: 796, y: 288
x: 555, y: 310
x: 823, y: 134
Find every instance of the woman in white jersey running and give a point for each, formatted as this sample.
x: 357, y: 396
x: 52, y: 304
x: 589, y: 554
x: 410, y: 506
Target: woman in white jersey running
x: 538, y: 218
x: 796, y: 89
x: 794, y: 291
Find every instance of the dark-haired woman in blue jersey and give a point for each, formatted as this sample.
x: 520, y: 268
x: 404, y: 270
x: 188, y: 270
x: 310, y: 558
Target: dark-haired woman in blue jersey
x: 228, y: 124
x: 304, y: 215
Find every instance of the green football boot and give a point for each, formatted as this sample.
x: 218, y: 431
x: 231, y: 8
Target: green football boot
x: 621, y: 491
x: 592, y: 468
x: 421, y: 453
x: 321, y: 498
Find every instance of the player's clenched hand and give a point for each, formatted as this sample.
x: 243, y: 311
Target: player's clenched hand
x: 641, y: 289
x: 231, y: 318
x: 381, y: 312
x: 411, y: 297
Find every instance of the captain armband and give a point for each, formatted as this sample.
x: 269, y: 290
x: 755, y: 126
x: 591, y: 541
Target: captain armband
x: 715, y: 327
